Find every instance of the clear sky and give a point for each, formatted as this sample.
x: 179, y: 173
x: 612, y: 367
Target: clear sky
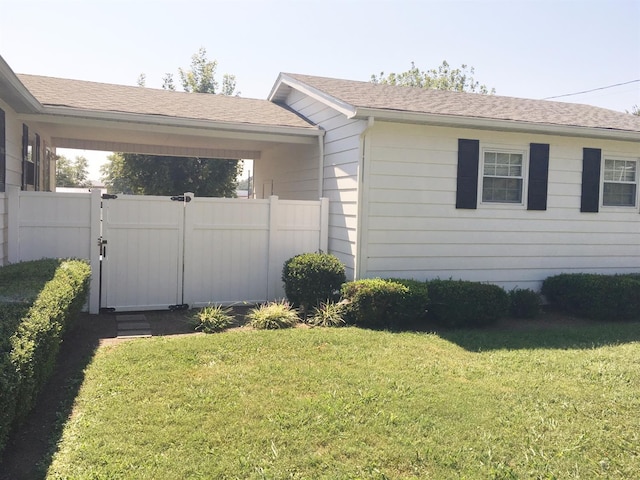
x: 523, y: 48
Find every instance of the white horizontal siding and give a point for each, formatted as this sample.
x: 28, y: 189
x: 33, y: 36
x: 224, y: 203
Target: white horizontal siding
x: 13, y: 177
x: 340, y: 169
x: 415, y: 231
x: 4, y: 234
x: 13, y: 147
x: 287, y: 171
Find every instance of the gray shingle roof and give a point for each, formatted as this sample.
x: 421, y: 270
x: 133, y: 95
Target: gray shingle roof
x: 366, y: 95
x: 102, y: 97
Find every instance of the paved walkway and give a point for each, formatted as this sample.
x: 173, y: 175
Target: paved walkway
x: 133, y: 326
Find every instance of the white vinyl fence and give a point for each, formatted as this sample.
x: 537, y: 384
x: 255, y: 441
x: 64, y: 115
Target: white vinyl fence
x: 155, y: 253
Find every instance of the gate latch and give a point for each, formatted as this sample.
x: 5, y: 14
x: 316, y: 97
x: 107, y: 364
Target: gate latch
x: 101, y: 244
x: 181, y: 198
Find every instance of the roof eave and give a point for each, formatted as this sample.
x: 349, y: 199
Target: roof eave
x: 285, y: 83
x: 15, y: 93
x: 494, y: 124
x: 56, y: 113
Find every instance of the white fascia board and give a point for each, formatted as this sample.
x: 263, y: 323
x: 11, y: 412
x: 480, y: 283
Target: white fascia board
x: 495, y: 124
x: 67, y: 116
x: 28, y: 103
x: 338, y: 105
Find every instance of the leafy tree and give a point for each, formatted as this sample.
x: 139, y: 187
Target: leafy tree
x: 72, y: 173
x: 167, y: 82
x: 443, y: 78
x: 635, y: 110
x: 201, y: 77
x: 161, y: 175
x: 153, y: 175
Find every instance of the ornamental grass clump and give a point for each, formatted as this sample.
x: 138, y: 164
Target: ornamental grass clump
x: 212, y: 318
x: 273, y: 316
x: 328, y: 314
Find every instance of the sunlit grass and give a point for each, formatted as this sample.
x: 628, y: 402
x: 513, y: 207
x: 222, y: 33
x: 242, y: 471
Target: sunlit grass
x: 350, y: 403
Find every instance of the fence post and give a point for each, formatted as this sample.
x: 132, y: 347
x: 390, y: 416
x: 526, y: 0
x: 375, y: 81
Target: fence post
x: 324, y: 225
x: 13, y: 223
x: 94, y: 251
x: 272, y: 269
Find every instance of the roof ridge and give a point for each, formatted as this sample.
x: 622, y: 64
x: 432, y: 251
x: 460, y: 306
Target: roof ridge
x: 445, y: 92
x: 132, y: 87
x: 367, y: 98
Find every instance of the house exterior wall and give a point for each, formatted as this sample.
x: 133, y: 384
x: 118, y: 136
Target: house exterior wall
x: 13, y: 170
x: 288, y: 171
x: 13, y: 146
x: 342, y: 151
x: 412, y: 229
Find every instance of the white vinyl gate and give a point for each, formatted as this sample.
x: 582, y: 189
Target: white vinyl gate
x: 150, y: 253
x: 142, y: 250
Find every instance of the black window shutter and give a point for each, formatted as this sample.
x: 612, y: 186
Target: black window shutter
x: 36, y: 163
x: 3, y: 152
x: 25, y: 154
x: 467, y: 182
x: 590, y: 179
x: 538, y: 176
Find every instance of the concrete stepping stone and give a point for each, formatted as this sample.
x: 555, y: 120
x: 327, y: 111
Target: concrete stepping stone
x: 133, y: 325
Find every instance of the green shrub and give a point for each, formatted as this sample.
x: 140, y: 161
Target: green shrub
x: 459, y: 303
x: 212, y: 318
x: 328, y: 314
x: 272, y: 316
x: 524, y: 303
x: 311, y: 278
x: 601, y: 297
x: 374, y: 302
x: 55, y: 290
x: 413, y: 310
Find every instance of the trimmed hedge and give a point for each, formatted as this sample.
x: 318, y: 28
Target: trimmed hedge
x: 414, y: 308
x: 600, y: 297
x: 40, y: 299
x: 311, y: 278
x: 373, y: 302
x: 460, y: 303
x: 524, y: 303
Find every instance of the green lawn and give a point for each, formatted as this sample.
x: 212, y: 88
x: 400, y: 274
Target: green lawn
x: 350, y: 403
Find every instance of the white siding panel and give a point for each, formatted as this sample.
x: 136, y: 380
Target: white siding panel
x: 287, y: 171
x: 340, y: 184
x: 13, y: 172
x: 414, y: 230
x: 13, y: 146
x: 4, y: 233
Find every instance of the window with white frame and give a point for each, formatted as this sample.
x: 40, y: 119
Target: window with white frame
x: 502, y: 176
x: 619, y: 182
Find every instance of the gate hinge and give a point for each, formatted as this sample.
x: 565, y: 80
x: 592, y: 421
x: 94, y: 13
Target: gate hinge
x: 180, y: 306
x: 109, y: 196
x: 181, y: 198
